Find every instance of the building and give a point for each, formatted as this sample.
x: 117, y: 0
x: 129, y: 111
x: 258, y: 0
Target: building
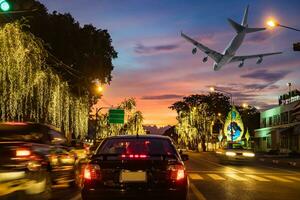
x: 280, y: 126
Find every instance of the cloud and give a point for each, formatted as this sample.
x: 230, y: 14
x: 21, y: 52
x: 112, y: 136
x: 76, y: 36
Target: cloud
x: 162, y: 97
x: 256, y: 86
x: 142, y: 49
x: 265, y: 75
x: 258, y: 37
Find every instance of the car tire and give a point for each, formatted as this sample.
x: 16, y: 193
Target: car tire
x: 46, y: 194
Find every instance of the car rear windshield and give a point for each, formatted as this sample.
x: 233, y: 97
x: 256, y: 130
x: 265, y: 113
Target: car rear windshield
x: 20, y: 135
x: 145, y: 146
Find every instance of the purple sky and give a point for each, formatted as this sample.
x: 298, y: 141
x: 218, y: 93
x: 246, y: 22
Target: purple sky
x: 156, y: 66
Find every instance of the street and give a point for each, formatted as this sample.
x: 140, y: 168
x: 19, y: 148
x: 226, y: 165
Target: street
x: 210, y: 180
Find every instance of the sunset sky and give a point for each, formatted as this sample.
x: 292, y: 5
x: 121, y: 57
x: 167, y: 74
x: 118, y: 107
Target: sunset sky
x: 155, y: 65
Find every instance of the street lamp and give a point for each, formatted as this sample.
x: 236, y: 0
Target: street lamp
x: 213, y: 89
x: 100, y: 89
x: 273, y: 23
x: 245, y: 105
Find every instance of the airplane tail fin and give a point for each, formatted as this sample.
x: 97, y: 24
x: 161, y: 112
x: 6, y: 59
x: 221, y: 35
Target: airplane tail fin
x: 252, y: 30
x: 245, y: 18
x: 237, y: 27
x: 244, y: 26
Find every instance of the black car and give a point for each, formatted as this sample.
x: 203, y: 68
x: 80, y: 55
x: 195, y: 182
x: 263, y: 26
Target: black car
x: 25, y: 168
x: 136, y: 167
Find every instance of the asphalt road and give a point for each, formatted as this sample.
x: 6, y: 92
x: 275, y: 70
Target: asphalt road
x: 210, y: 180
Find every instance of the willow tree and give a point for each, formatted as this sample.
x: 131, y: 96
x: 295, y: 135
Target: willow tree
x: 30, y: 90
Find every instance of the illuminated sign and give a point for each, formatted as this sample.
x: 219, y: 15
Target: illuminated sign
x: 234, y: 127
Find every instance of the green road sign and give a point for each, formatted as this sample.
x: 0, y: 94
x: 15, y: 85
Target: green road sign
x: 116, y: 116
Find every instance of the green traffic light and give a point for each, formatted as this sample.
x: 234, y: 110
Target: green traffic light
x: 4, y: 5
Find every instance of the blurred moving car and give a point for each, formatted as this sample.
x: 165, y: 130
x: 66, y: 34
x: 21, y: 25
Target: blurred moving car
x: 24, y: 165
x: 234, y: 152
x: 136, y: 167
x: 61, y: 156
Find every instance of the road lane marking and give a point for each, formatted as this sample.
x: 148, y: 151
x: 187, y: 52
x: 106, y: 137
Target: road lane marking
x: 196, y: 192
x: 195, y: 176
x: 236, y: 177
x: 257, y: 178
x: 293, y: 178
x: 216, y: 177
x: 77, y: 197
x: 214, y: 163
x: 279, y: 179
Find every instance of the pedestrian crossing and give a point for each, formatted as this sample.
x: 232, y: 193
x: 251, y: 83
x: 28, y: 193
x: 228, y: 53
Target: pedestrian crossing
x: 243, y: 177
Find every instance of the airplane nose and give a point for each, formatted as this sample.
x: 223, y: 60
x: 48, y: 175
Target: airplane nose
x: 216, y: 68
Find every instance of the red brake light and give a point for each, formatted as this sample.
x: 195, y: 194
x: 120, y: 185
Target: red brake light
x: 87, y: 174
x: 23, y: 152
x: 177, y: 172
x: 134, y: 156
x: 91, y: 172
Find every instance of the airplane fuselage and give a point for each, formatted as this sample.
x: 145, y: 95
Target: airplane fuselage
x: 230, y: 51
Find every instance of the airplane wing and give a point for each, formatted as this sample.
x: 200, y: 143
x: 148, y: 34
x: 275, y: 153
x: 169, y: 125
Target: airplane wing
x: 216, y: 56
x: 260, y: 56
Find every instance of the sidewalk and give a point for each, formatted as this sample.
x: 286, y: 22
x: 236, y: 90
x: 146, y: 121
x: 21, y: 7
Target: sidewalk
x: 280, y: 160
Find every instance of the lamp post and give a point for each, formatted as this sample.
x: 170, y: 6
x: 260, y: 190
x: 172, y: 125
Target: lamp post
x: 99, y: 90
x: 213, y: 89
x: 273, y: 23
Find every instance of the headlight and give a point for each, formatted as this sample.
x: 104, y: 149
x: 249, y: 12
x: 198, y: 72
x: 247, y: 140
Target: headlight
x: 249, y: 154
x: 230, y: 154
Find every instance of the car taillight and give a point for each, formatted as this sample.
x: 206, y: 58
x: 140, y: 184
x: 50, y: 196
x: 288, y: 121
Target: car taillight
x: 136, y: 156
x: 91, y: 172
x: 177, y: 172
x: 23, y: 152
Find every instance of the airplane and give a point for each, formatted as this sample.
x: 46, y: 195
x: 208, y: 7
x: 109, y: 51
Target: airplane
x: 228, y: 55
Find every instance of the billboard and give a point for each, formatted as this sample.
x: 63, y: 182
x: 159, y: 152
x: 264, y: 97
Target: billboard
x: 234, y: 127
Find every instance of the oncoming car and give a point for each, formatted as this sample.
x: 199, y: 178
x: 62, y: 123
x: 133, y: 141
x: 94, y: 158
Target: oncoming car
x: 235, y: 153
x: 128, y: 167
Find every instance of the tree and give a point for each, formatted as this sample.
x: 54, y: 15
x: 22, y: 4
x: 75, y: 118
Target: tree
x: 79, y: 54
x: 133, y: 123
x: 251, y: 118
x: 195, y: 116
x: 31, y: 91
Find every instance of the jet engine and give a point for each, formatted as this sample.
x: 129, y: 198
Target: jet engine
x: 259, y: 60
x: 241, y: 64
x: 194, y: 51
x: 205, y: 59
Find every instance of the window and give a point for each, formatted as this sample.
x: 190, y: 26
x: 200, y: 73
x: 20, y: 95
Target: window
x: 264, y: 122
x: 269, y: 142
x: 284, y: 118
x: 270, y: 121
x: 149, y: 146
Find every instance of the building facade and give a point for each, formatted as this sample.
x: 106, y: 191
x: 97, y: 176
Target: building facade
x: 280, y: 128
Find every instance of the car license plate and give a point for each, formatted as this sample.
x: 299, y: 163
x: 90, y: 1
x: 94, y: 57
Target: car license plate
x: 133, y: 176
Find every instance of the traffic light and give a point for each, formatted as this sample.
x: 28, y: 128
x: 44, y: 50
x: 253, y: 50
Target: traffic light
x: 297, y: 46
x: 4, y: 6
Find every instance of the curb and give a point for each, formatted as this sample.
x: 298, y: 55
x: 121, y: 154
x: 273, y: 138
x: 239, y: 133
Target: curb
x: 291, y: 163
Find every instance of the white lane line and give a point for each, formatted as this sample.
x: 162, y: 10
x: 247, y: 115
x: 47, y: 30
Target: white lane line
x: 216, y: 177
x: 257, y: 178
x: 293, y: 178
x: 77, y: 197
x: 279, y: 179
x: 196, y: 192
x: 217, y: 164
x: 236, y: 177
x: 194, y: 176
